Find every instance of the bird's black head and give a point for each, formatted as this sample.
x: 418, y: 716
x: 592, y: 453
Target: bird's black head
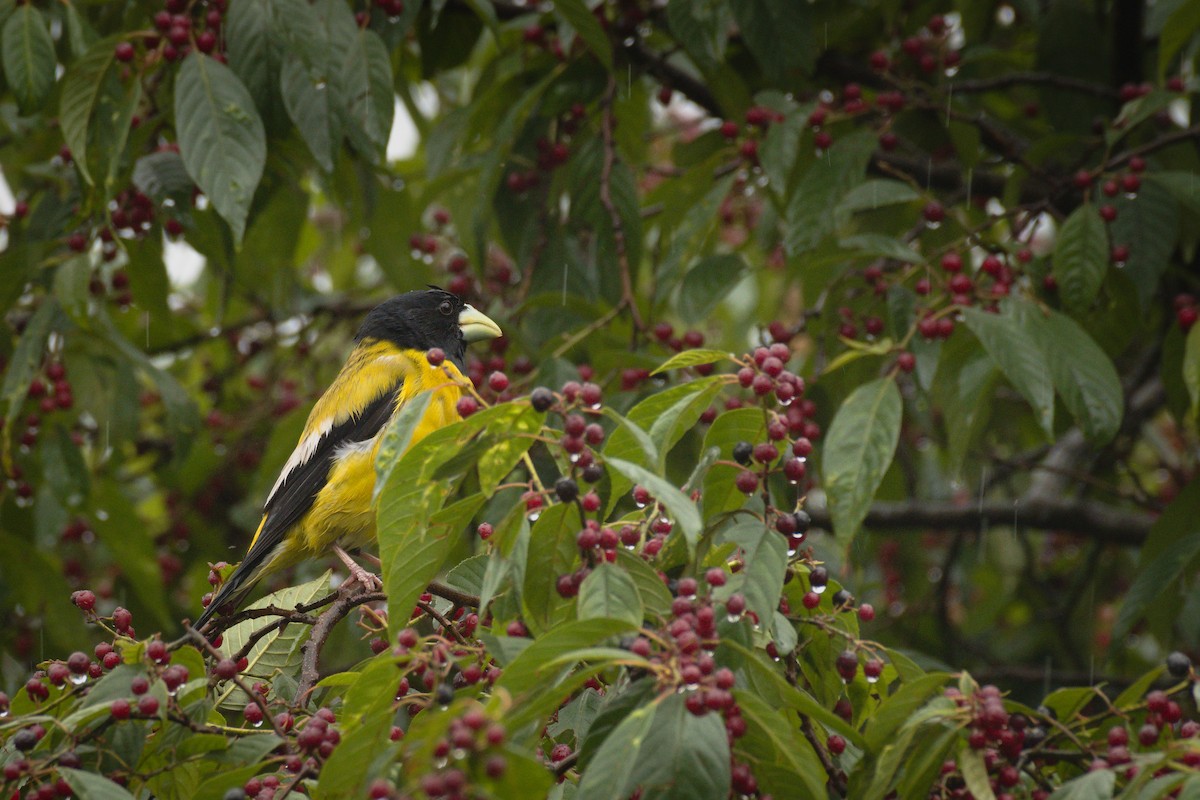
x: 426, y: 319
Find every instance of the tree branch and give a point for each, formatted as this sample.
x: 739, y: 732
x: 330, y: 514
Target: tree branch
x: 310, y: 670
x: 1086, y: 518
x: 1034, y: 79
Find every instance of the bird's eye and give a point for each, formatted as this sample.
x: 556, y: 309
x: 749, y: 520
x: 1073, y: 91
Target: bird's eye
x: 446, y: 307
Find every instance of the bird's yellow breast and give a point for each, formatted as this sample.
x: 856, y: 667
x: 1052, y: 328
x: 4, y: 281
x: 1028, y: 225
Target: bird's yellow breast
x: 343, y: 512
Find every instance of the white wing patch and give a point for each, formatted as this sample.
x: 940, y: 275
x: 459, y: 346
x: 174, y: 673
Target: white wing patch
x: 303, y: 452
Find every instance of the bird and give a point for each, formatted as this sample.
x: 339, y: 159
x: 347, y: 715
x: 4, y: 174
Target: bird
x: 322, y: 499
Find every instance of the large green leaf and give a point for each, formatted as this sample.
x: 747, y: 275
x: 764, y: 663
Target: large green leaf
x: 1011, y: 339
x: 609, y: 592
x: 1154, y: 578
x: 705, y: 285
x: 90, y: 786
x: 609, y: 775
x: 680, y: 507
x: 367, y: 83
x: 766, y: 23
x: 252, y: 46
x: 27, y: 53
x: 683, y: 756
x: 764, y: 556
x: 278, y: 651
x: 27, y: 358
x: 858, y: 451
x: 221, y: 137
x: 1083, y: 375
x: 827, y: 180
x: 1081, y: 257
x: 576, y: 14
x: 1097, y: 785
x: 1149, y: 225
x: 552, y: 554
x: 312, y: 104
x: 1191, y: 367
x: 529, y: 669
x: 95, y: 110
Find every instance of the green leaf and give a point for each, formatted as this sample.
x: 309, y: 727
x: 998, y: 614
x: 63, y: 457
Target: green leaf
x: 680, y: 507
x: 367, y: 84
x: 877, y: 245
x: 974, y: 772
x: 26, y: 359
x: 221, y: 137
x: 1149, y: 225
x: 278, y: 651
x: 771, y: 740
x: 875, y: 194
x: 252, y: 46
x: 397, y: 439
x: 705, y: 285
x: 528, y: 670
x: 27, y: 53
x: 1191, y: 367
x: 898, y: 708
x: 415, y: 553
x: 766, y: 23
x: 311, y: 104
x: 609, y: 775
x: 609, y: 592
x: 576, y: 14
x: 683, y: 756
x: 552, y: 552
x: 720, y: 494
x: 1014, y: 347
x: 692, y: 358
x: 701, y: 26
x: 858, y: 451
x: 1097, y: 785
x: 95, y: 109
x: 90, y: 786
x: 823, y: 185
x: 1154, y: 578
x: 764, y: 553
x: 1084, y: 376
x: 655, y: 596
x: 1179, y: 29
x: 1081, y: 257
x: 366, y: 722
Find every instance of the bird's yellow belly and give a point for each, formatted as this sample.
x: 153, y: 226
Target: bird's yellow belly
x: 343, y: 513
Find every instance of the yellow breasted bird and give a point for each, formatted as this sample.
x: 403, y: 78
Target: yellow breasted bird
x: 322, y: 498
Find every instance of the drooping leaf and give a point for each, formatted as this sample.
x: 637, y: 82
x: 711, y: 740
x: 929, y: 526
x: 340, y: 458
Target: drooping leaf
x: 1083, y: 375
x: 95, y: 109
x: 1013, y: 345
x: 1081, y: 257
x: 576, y: 14
x: 858, y: 451
x: 221, y: 137
x: 27, y: 54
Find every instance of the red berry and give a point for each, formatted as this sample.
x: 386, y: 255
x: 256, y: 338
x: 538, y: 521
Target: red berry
x: 84, y: 599
x: 498, y: 381
x: 226, y: 668
x: 715, y: 577
x: 1187, y: 317
x: 466, y: 406
x: 836, y: 744
x: 906, y: 361
x: 933, y: 212
x: 1108, y: 212
x: 435, y: 356
x: 147, y: 705
x: 123, y: 52
x: 746, y: 481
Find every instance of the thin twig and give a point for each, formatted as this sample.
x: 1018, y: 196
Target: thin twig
x: 204, y: 644
x: 1034, y: 79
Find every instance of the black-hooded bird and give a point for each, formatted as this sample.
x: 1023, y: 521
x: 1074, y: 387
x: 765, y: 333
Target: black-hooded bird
x: 322, y: 500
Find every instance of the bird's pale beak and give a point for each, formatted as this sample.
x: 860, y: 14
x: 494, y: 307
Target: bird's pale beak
x: 477, y: 325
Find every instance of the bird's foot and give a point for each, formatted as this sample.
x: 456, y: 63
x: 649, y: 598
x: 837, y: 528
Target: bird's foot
x: 368, y: 580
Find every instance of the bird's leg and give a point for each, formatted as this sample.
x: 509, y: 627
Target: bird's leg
x: 370, y: 582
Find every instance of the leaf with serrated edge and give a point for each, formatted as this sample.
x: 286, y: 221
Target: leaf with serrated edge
x: 278, y: 651
x: 1015, y: 350
x: 221, y: 137
x: 1084, y: 375
x: 1081, y: 257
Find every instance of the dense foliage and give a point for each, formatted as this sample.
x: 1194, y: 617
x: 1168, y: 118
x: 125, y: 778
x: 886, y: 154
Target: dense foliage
x: 842, y: 441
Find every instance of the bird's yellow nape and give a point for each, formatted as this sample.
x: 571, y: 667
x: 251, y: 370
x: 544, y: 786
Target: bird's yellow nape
x: 476, y: 325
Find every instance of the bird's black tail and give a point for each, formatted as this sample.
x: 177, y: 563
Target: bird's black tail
x: 231, y: 593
